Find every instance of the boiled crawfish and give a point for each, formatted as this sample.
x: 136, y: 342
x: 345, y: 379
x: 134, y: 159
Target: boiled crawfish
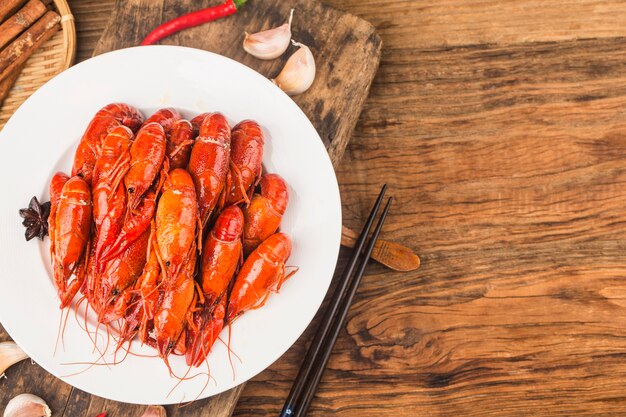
x: 108, y: 191
x: 120, y: 274
x: 199, y: 347
x: 176, y: 221
x: 263, y: 272
x: 266, y: 209
x: 246, y: 156
x: 174, y: 310
x: 166, y: 117
x: 208, y: 163
x: 70, y: 227
x: 179, y: 144
x: 105, y: 120
x: 147, y: 153
x: 56, y: 188
x: 221, y: 254
x: 143, y: 298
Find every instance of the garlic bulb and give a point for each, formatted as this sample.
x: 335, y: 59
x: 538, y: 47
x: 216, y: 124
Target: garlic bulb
x: 27, y: 405
x: 10, y: 354
x: 271, y: 43
x: 154, y: 411
x: 298, y: 73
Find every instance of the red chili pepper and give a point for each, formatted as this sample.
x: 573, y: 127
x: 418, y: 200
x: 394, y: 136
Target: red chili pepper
x: 193, y: 19
x: 102, y: 415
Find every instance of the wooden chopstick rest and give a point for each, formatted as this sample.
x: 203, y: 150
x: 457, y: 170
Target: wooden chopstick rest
x: 393, y: 255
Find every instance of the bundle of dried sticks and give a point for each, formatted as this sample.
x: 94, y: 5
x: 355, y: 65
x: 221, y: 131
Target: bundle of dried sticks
x: 24, y: 26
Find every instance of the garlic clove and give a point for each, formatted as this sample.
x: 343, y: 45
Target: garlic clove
x: 298, y: 73
x: 154, y: 411
x: 27, y: 405
x: 271, y: 43
x: 10, y: 354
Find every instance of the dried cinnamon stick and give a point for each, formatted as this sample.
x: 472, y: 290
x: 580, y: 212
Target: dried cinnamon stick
x: 7, y: 84
x: 21, y: 20
x: 8, y: 7
x: 18, y: 51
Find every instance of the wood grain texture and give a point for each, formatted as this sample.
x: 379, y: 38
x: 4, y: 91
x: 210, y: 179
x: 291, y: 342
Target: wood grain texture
x: 507, y: 164
x: 503, y: 140
x: 80, y: 403
x: 506, y: 159
x: 437, y: 23
x: 91, y: 17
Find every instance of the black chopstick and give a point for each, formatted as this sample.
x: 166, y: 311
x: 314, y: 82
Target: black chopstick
x: 324, y: 327
x: 320, y: 364
x: 317, y: 356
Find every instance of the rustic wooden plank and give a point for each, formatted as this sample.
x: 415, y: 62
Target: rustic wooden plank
x: 81, y: 403
x: 432, y: 23
x: 506, y: 163
x: 346, y: 51
x: 91, y: 17
x: 436, y: 23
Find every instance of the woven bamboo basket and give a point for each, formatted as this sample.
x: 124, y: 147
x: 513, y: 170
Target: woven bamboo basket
x: 54, y: 56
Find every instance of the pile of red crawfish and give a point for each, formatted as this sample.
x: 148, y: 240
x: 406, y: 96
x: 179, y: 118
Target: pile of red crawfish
x: 168, y: 227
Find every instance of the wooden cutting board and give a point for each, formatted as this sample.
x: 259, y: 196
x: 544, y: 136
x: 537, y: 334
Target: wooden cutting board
x: 346, y: 50
x: 347, y: 53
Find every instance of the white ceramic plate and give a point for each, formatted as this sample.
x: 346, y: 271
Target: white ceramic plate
x: 41, y: 138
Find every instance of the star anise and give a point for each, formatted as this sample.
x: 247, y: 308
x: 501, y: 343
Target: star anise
x: 35, y: 219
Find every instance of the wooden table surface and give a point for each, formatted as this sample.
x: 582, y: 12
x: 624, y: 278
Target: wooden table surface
x: 500, y: 128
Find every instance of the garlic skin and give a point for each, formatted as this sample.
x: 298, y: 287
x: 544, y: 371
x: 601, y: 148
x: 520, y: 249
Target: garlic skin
x: 27, y: 405
x: 298, y: 73
x: 10, y: 354
x: 271, y: 43
x: 154, y: 411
